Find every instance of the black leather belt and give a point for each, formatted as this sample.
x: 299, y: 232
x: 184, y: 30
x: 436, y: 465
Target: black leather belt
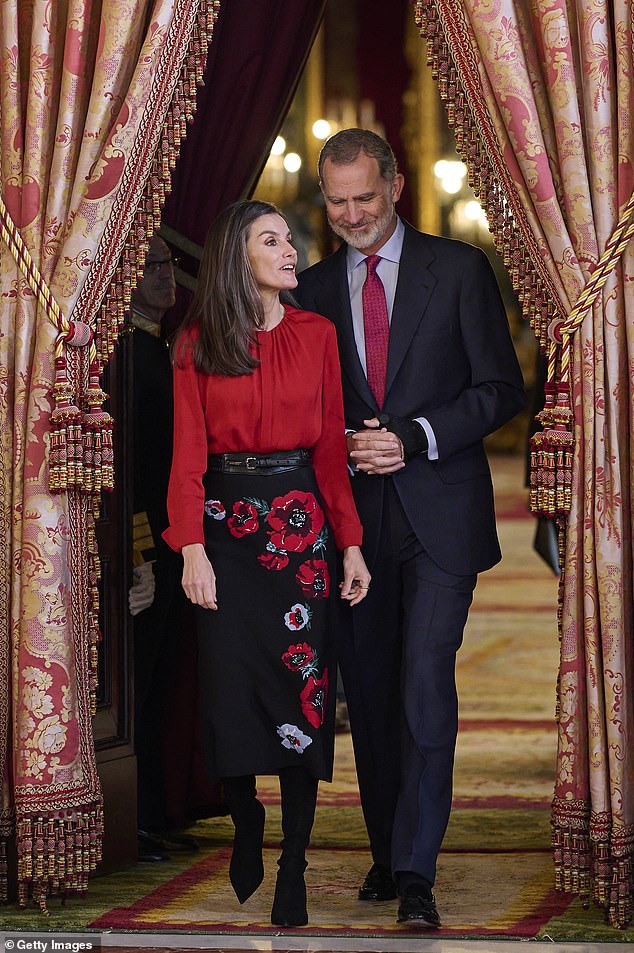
x: 265, y: 463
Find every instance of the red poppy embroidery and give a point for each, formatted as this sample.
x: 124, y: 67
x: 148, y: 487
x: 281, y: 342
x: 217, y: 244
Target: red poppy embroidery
x: 314, y: 696
x: 295, y: 520
x: 314, y: 578
x: 215, y: 509
x: 298, y: 617
x: 244, y: 520
x: 273, y: 559
x: 299, y: 656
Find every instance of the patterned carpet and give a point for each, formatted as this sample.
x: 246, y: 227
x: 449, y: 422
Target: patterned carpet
x: 495, y: 876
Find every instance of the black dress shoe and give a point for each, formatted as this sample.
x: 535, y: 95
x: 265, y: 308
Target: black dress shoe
x: 417, y: 905
x: 150, y: 851
x: 170, y: 842
x: 378, y: 885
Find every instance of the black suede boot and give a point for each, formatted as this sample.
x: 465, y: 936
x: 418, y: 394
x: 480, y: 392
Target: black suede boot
x: 246, y: 870
x: 299, y: 796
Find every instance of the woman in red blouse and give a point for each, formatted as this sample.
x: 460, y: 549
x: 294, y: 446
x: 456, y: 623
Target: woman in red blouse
x: 259, y: 497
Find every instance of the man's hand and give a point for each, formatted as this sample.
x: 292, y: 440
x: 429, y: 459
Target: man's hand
x: 375, y: 450
x: 411, y: 433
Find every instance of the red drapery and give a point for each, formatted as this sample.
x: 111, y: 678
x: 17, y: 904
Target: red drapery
x: 253, y: 69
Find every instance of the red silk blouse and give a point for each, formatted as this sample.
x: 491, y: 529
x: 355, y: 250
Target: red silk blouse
x: 292, y: 399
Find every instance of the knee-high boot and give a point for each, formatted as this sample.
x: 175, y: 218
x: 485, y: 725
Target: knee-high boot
x: 299, y: 796
x: 246, y: 870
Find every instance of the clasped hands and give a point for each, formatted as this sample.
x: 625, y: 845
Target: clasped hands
x: 375, y: 450
x: 387, y: 444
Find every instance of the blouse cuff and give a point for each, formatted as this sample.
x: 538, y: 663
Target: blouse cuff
x: 349, y: 534
x: 183, y: 534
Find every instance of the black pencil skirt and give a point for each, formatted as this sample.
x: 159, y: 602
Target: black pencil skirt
x: 267, y: 671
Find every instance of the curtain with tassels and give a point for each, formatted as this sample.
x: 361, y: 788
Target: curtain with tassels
x: 541, y: 99
x: 94, y: 102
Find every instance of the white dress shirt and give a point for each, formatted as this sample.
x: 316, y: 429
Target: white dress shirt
x: 387, y: 270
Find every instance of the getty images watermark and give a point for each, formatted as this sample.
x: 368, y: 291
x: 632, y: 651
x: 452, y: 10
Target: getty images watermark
x: 50, y: 942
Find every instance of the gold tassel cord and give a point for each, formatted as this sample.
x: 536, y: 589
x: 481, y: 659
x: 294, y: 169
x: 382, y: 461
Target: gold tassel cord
x: 552, y: 449
x: 70, y: 466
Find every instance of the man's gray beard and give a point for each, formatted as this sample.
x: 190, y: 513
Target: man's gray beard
x: 370, y: 235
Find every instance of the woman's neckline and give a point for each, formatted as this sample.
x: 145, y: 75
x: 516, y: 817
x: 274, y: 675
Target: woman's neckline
x: 275, y: 326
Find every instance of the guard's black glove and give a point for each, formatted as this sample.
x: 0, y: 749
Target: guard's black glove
x: 411, y: 434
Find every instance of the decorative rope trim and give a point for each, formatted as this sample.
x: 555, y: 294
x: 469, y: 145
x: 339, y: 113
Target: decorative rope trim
x: 443, y: 26
x: 607, y: 263
x: 109, y: 297
x: 57, y: 854
x: 4, y: 877
x: 552, y: 450
x: 592, y: 859
x: 72, y: 458
x: 29, y: 269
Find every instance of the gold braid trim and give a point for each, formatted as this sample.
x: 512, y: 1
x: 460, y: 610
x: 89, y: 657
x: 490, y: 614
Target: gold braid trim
x: 29, y: 269
x: 110, y: 319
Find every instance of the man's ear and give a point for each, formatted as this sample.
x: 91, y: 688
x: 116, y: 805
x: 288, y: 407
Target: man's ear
x: 397, y: 186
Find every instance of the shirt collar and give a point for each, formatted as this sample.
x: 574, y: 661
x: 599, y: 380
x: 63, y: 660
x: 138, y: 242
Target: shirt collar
x: 391, y: 249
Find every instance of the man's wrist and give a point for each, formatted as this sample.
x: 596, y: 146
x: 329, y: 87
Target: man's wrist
x: 410, y: 432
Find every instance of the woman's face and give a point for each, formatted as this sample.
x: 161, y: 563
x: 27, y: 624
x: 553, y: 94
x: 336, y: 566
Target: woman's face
x: 271, y: 255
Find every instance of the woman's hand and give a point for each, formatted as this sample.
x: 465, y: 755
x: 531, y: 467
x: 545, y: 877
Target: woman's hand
x: 356, y: 577
x: 199, y: 578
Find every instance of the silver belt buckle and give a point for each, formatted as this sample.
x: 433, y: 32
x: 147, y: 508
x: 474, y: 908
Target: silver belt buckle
x: 251, y: 463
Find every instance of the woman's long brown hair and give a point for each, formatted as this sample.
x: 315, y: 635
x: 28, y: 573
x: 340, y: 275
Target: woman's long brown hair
x: 227, y: 306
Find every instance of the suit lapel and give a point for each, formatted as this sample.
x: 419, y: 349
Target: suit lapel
x: 333, y: 300
x: 415, y: 286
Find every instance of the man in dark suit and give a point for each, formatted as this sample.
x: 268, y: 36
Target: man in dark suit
x: 428, y: 370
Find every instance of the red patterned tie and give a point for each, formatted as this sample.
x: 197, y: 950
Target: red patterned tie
x: 376, y: 328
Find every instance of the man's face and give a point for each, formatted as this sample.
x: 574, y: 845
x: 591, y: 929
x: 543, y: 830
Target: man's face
x: 155, y: 293
x: 360, y: 202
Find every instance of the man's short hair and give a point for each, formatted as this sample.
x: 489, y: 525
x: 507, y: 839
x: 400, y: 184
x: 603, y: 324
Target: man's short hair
x: 344, y: 147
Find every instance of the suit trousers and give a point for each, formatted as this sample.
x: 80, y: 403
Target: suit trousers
x: 397, y: 659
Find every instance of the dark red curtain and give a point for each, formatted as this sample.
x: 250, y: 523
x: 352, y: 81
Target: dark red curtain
x: 255, y: 62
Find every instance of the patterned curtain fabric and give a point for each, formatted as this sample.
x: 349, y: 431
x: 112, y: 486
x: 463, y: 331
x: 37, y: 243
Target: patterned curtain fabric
x: 541, y: 98
x: 94, y: 101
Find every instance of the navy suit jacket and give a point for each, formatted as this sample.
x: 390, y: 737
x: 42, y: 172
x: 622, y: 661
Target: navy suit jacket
x: 450, y: 359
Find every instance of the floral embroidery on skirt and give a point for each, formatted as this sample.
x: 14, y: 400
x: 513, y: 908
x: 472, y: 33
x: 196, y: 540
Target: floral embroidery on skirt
x: 264, y: 698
